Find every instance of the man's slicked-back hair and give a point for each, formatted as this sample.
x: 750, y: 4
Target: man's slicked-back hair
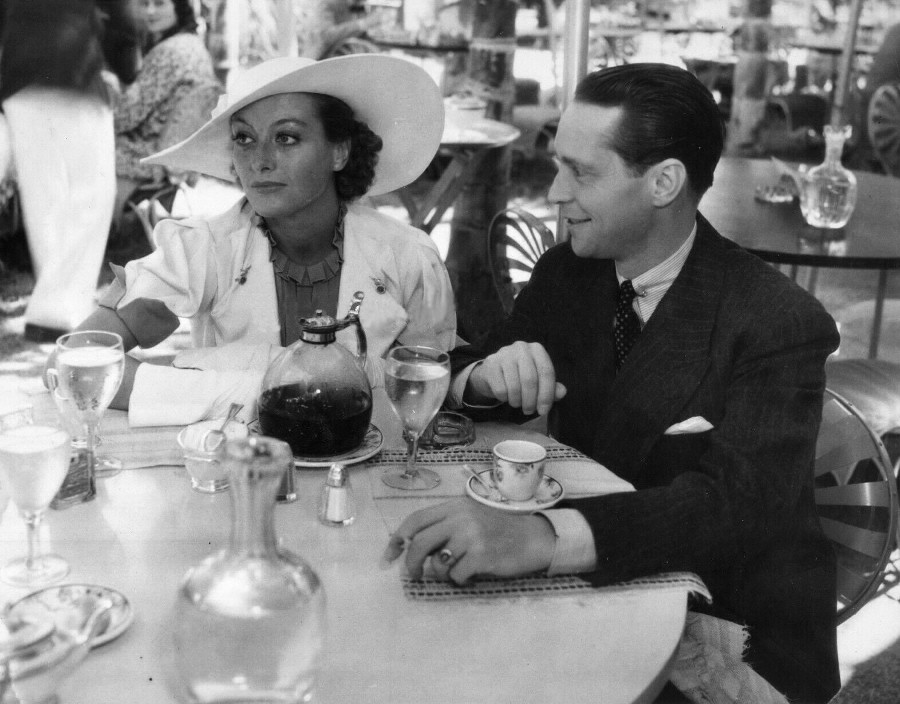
x: 667, y: 114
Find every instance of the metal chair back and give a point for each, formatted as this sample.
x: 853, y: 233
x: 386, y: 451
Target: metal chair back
x: 516, y: 240
x: 884, y: 126
x: 856, y: 499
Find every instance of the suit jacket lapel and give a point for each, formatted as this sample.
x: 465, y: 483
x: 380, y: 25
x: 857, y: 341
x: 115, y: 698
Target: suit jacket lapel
x: 668, y: 361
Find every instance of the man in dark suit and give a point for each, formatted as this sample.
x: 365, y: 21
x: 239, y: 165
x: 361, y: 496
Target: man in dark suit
x: 704, y: 390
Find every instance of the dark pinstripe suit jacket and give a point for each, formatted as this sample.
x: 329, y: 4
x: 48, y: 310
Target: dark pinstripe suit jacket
x: 737, y: 343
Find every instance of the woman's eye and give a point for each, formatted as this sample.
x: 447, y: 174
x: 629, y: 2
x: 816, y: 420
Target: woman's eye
x: 288, y: 139
x: 241, y: 138
x: 570, y: 167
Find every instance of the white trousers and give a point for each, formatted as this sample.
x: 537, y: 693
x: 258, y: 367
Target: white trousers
x: 63, y: 151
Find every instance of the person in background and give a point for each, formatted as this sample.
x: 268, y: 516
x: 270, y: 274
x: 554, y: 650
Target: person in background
x: 679, y: 361
x: 56, y: 104
x: 122, y: 38
x: 171, y: 96
x: 304, y: 140
x: 755, y: 73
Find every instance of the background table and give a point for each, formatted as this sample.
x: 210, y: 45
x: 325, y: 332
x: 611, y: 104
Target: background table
x: 146, y: 527
x: 465, y: 146
x: 779, y: 234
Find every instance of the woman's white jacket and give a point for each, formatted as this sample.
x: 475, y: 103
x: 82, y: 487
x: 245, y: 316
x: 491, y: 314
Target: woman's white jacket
x: 217, y: 273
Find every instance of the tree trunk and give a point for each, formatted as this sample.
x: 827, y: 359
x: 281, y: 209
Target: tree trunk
x: 489, y: 75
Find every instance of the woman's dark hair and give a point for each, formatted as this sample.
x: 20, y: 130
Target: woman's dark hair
x: 185, y: 21
x: 667, y: 114
x: 340, y: 125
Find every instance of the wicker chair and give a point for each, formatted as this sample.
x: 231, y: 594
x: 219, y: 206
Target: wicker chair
x: 884, y: 126
x: 516, y: 240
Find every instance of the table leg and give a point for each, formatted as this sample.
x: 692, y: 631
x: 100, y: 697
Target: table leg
x: 813, y: 280
x: 879, y: 311
x: 442, y: 194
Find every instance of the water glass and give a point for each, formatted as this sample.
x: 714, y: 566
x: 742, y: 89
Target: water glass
x: 33, y: 463
x: 416, y: 380
x: 88, y: 373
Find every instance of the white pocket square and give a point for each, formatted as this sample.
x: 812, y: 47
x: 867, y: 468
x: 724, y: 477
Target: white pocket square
x: 697, y: 424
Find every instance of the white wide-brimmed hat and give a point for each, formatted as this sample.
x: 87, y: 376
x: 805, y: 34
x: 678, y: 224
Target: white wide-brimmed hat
x: 397, y: 99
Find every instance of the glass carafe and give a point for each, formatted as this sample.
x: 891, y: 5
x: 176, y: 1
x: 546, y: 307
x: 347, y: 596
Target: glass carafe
x: 249, y: 620
x: 316, y: 395
x: 828, y: 195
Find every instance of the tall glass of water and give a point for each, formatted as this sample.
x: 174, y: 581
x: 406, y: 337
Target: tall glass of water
x: 416, y: 380
x: 89, y: 368
x: 33, y: 463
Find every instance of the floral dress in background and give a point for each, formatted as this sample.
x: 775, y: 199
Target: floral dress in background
x: 171, y: 98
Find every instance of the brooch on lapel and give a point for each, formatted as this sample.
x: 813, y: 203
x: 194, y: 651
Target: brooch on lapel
x: 379, y: 284
x: 242, y: 279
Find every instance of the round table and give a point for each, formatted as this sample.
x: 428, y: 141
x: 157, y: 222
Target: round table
x: 779, y: 234
x: 147, y: 527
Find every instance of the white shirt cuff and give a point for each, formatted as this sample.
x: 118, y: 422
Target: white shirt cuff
x: 458, y: 387
x: 575, y: 550
x: 454, y: 399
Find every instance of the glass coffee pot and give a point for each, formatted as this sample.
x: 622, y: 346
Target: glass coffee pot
x: 316, y: 395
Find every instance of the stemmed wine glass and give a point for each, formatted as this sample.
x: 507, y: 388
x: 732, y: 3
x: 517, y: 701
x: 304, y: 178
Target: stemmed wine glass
x: 416, y: 380
x: 89, y: 369
x: 33, y: 463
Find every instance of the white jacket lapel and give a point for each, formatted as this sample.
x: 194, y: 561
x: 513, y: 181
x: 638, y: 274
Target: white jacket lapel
x: 369, y: 268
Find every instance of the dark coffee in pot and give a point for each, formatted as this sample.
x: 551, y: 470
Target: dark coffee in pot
x: 316, y: 422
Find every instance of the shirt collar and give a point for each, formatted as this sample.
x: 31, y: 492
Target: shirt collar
x: 653, y: 284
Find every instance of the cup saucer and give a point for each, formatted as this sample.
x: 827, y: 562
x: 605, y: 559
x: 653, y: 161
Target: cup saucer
x: 550, y: 492
x: 70, y: 605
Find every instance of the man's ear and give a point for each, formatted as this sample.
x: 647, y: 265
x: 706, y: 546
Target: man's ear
x: 668, y: 178
x: 340, y: 154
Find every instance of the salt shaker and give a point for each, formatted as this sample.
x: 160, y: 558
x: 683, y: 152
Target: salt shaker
x: 336, y: 507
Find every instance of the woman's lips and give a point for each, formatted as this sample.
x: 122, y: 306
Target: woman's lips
x: 266, y: 186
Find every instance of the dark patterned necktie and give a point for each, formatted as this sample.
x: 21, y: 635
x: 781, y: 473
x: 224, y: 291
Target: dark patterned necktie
x: 627, y: 325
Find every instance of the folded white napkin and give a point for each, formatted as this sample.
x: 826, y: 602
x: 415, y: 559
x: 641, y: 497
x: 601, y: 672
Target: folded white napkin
x: 201, y: 384
x: 170, y: 396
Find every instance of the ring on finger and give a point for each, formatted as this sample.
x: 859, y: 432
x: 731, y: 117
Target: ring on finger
x: 446, y: 557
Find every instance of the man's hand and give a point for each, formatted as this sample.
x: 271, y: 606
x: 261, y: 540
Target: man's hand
x: 521, y: 375
x: 481, y: 541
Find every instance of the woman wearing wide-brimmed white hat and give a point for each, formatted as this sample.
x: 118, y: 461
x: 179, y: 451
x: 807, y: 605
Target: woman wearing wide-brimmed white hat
x: 304, y: 140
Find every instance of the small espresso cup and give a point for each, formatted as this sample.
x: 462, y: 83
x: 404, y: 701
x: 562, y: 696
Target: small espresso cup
x: 518, y: 468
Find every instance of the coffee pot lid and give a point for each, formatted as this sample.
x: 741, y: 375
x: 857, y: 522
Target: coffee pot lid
x: 318, y: 322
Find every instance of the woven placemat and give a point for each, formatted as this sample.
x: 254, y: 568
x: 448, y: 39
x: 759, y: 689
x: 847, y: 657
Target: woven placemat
x: 543, y: 585
x: 460, y: 455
